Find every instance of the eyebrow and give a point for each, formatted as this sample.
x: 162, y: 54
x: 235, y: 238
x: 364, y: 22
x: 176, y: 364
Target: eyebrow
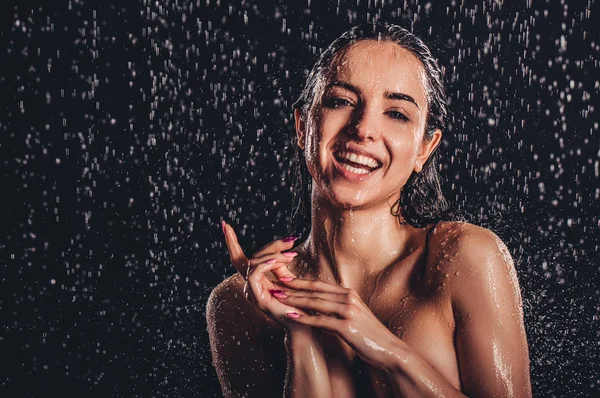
x: 387, y: 94
x: 402, y: 97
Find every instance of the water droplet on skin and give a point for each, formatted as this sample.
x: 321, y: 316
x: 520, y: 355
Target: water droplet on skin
x: 457, y: 273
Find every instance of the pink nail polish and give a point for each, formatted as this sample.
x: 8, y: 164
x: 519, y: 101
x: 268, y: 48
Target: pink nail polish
x: 223, y: 226
x: 289, y: 239
x: 273, y: 291
x: 294, y: 315
x: 279, y: 295
x: 290, y: 254
x: 286, y: 279
x: 272, y: 261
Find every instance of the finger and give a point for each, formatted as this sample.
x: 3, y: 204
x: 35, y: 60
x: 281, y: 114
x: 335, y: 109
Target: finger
x: 280, y: 257
x: 320, y: 305
x: 255, y: 278
x: 236, y: 254
x: 261, y: 291
x: 279, y: 245
x: 248, y: 293
x: 319, y: 321
x: 339, y: 299
x: 282, y: 271
x: 314, y: 285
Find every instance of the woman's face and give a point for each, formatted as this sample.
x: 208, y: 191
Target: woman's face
x: 364, y: 135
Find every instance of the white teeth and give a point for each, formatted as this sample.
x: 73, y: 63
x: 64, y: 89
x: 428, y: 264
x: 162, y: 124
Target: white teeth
x: 360, y: 159
x: 355, y: 170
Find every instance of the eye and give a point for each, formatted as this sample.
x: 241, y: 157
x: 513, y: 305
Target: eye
x: 336, y: 102
x: 397, y: 115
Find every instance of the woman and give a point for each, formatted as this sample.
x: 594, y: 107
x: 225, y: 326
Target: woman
x: 386, y: 296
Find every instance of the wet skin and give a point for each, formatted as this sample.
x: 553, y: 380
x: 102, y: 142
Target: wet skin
x: 413, y: 299
x: 395, y: 319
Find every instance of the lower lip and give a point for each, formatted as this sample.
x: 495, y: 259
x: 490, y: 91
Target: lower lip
x: 350, y: 176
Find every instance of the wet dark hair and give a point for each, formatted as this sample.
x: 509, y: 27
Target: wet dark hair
x: 421, y: 201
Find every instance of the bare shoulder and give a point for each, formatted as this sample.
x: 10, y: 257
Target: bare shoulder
x: 225, y: 295
x: 470, y: 259
x: 481, y: 284
x: 466, y: 241
x: 233, y: 284
x: 468, y: 253
x: 247, y: 347
x: 227, y: 311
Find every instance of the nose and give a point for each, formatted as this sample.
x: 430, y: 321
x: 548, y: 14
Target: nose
x: 364, y: 123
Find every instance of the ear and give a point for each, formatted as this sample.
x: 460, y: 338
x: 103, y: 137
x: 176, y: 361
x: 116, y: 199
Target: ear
x: 427, y: 149
x: 300, y: 127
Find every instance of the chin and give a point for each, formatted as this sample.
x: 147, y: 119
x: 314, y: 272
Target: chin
x: 350, y: 197
x: 344, y: 191
x: 342, y: 195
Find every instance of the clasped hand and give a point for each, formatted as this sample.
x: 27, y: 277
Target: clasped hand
x: 295, y: 302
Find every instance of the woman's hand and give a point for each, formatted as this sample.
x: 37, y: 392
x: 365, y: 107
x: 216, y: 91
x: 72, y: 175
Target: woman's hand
x: 342, y: 311
x: 259, y: 289
x: 307, y: 373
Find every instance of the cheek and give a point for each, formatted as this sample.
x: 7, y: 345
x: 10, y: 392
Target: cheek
x: 405, y: 146
x: 314, y: 144
x: 311, y: 153
x: 321, y: 133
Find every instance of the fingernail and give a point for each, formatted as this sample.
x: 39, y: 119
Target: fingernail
x: 279, y: 295
x: 289, y: 239
x: 286, y: 278
x: 290, y: 254
x: 274, y: 291
x: 223, y: 226
x: 271, y: 261
x: 294, y: 315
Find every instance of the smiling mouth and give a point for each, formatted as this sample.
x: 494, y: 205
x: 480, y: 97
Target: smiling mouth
x: 357, y: 164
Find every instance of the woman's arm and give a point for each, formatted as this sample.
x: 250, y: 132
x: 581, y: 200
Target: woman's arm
x: 307, y: 373
x: 344, y: 313
x: 490, y: 336
x: 247, y: 326
x: 247, y: 348
x: 249, y: 354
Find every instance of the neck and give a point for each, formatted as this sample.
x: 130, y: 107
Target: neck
x: 349, y: 246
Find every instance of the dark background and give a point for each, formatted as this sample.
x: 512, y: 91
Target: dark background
x: 129, y: 130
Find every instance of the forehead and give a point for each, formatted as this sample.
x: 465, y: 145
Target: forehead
x: 381, y: 66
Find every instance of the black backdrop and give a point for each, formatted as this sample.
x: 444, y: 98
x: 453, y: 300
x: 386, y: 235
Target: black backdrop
x: 130, y: 129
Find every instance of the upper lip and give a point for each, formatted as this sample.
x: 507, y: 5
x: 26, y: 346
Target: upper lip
x: 350, y: 147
